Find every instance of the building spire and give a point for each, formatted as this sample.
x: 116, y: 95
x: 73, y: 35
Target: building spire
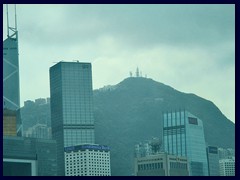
x: 7, y: 21
x: 13, y: 32
x: 16, y: 17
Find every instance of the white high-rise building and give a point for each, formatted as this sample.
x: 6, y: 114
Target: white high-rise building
x: 227, y: 167
x: 87, y: 160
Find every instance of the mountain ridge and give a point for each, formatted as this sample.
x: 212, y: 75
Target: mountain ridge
x: 134, y: 107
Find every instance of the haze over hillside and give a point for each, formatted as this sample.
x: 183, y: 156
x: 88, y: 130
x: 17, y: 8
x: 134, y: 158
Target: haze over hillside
x: 131, y: 112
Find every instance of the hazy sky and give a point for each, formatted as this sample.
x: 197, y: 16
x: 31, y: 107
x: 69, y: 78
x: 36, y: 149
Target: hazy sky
x: 189, y: 47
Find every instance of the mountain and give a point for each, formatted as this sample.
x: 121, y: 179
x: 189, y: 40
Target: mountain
x: 131, y: 112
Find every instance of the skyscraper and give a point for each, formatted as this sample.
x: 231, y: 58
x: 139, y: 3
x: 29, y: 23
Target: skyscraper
x: 71, y: 106
x: 213, y: 161
x: 11, y: 92
x: 183, y: 135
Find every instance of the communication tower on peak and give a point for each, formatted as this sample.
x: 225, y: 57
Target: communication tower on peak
x: 130, y: 73
x: 137, y: 72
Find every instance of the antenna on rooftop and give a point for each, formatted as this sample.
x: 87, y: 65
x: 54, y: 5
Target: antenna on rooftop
x: 7, y: 21
x: 13, y: 29
x: 16, y: 17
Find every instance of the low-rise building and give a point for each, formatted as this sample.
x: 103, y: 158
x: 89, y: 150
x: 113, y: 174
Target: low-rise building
x: 161, y: 164
x: 24, y: 156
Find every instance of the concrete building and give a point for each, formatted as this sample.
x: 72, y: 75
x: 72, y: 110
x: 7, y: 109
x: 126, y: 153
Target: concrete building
x: 71, y: 106
x: 40, y: 101
x: 41, y: 131
x: 226, y: 153
x: 161, y: 164
x: 213, y: 161
x: 87, y: 160
x: 147, y: 148
x: 34, y: 113
x: 183, y: 135
x: 29, y: 157
x: 227, y: 167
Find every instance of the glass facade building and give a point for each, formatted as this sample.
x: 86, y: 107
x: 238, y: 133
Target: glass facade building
x: 11, y: 89
x: 71, y: 106
x: 183, y: 135
x: 213, y: 161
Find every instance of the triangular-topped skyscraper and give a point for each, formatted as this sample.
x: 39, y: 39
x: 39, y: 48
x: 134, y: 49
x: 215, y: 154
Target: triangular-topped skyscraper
x: 11, y: 90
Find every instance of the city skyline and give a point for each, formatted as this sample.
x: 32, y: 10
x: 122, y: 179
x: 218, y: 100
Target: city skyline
x: 189, y: 47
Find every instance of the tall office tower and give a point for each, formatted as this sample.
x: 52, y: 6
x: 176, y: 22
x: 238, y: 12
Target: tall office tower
x: 213, y: 160
x: 11, y: 92
x: 71, y: 106
x: 183, y: 135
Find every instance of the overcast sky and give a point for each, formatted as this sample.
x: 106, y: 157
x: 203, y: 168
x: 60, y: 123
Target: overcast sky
x: 189, y: 47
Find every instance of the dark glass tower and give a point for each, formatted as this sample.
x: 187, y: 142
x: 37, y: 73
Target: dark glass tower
x: 11, y: 90
x: 71, y: 106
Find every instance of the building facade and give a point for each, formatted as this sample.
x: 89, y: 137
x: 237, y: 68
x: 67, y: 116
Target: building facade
x: 29, y: 157
x: 71, y: 106
x: 161, y: 164
x: 35, y: 113
x: 147, y: 148
x: 9, y: 122
x: 11, y: 90
x: 87, y: 160
x: 227, y: 167
x: 226, y: 153
x: 183, y: 135
x: 41, y: 131
x: 213, y: 161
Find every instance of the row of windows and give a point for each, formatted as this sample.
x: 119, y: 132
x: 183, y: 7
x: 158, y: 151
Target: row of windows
x: 178, y: 165
x: 174, y: 119
x: 85, y: 170
x: 83, y: 160
x: 79, y: 158
x: 102, y: 167
x: 90, y: 174
x: 150, y: 166
x: 88, y: 154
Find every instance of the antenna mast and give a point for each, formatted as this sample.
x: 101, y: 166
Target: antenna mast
x: 16, y: 17
x: 7, y: 21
